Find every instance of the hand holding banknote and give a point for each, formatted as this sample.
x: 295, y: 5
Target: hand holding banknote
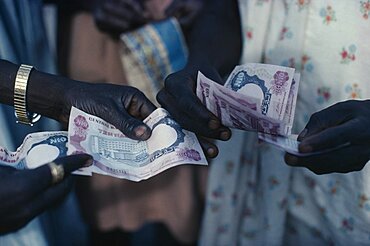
x: 344, y: 124
x: 118, y: 156
x: 179, y: 98
x: 123, y: 106
x: 24, y: 194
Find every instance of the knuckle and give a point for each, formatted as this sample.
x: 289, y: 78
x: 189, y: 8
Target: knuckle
x: 316, y: 119
x: 170, y: 81
x: 138, y: 94
x: 161, y: 97
x: 128, y: 125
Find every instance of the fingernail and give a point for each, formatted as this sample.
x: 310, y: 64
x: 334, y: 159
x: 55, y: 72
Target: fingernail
x: 140, y: 131
x: 225, y: 135
x: 89, y: 162
x: 305, y: 148
x: 211, y: 152
x: 303, y: 134
x: 214, y: 124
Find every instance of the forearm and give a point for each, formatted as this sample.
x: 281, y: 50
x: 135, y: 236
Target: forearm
x: 45, y: 92
x: 216, y: 38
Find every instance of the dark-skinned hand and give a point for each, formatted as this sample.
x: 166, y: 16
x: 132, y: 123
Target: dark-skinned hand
x: 123, y: 106
x: 24, y: 194
x: 118, y: 16
x: 179, y: 98
x: 185, y: 11
x: 343, y: 123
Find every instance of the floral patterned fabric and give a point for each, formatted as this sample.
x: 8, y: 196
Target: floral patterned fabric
x: 254, y: 198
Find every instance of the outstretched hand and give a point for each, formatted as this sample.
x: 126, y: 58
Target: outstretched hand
x: 24, y: 194
x: 346, y: 123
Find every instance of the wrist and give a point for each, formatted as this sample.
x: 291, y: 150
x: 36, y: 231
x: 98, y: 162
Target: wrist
x: 46, y: 93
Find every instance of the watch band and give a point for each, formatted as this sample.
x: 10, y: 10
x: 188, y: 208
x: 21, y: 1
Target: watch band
x: 20, y: 98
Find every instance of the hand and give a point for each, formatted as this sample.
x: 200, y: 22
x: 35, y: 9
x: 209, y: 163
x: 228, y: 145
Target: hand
x: 185, y: 11
x: 24, y: 194
x: 179, y: 98
x: 118, y: 16
x: 345, y: 122
x: 123, y: 106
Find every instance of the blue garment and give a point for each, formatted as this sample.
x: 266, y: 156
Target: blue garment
x: 23, y: 40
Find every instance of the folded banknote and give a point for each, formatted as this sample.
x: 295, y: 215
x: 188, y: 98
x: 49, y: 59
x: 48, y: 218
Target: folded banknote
x: 36, y: 149
x: 290, y: 144
x: 114, y: 154
x: 119, y: 156
x: 258, y: 97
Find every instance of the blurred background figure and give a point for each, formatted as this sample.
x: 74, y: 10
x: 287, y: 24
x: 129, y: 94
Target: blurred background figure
x: 133, y: 43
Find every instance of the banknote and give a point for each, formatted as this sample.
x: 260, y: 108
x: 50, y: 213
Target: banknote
x: 36, y: 149
x: 203, y: 87
x: 119, y: 156
x: 258, y: 97
x: 239, y: 112
x: 270, y: 84
x: 291, y: 105
x: 290, y: 144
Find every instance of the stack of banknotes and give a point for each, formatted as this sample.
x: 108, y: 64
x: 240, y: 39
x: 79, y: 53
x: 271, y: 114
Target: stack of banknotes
x: 259, y: 97
x: 114, y: 154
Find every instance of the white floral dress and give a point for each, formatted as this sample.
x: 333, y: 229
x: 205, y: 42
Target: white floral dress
x: 254, y: 198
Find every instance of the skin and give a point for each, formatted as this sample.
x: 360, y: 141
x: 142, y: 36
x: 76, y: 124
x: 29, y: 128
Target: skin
x: 343, y: 123
x: 27, y: 193
x: 53, y: 96
x: 217, y: 27
x: 24, y: 194
x: 118, y: 16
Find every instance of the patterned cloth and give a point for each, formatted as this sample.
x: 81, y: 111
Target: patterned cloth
x: 152, y: 52
x: 253, y: 197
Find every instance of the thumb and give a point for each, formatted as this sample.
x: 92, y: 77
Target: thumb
x: 40, y: 178
x: 329, y: 117
x: 73, y: 162
x: 128, y: 125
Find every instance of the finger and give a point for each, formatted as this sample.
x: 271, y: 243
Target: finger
x: 41, y: 202
x: 341, y: 160
x: 208, y: 147
x: 326, y: 118
x: 110, y: 23
x: 130, y: 11
x: 328, y: 138
x: 32, y: 182
x: 187, y: 102
x: 206, y: 127
x: 140, y: 106
x: 72, y: 163
x: 128, y: 125
x: 185, y: 12
x: 173, y: 8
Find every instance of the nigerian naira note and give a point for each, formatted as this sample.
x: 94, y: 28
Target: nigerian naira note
x: 258, y: 97
x: 269, y: 83
x: 36, y: 150
x: 119, y: 156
